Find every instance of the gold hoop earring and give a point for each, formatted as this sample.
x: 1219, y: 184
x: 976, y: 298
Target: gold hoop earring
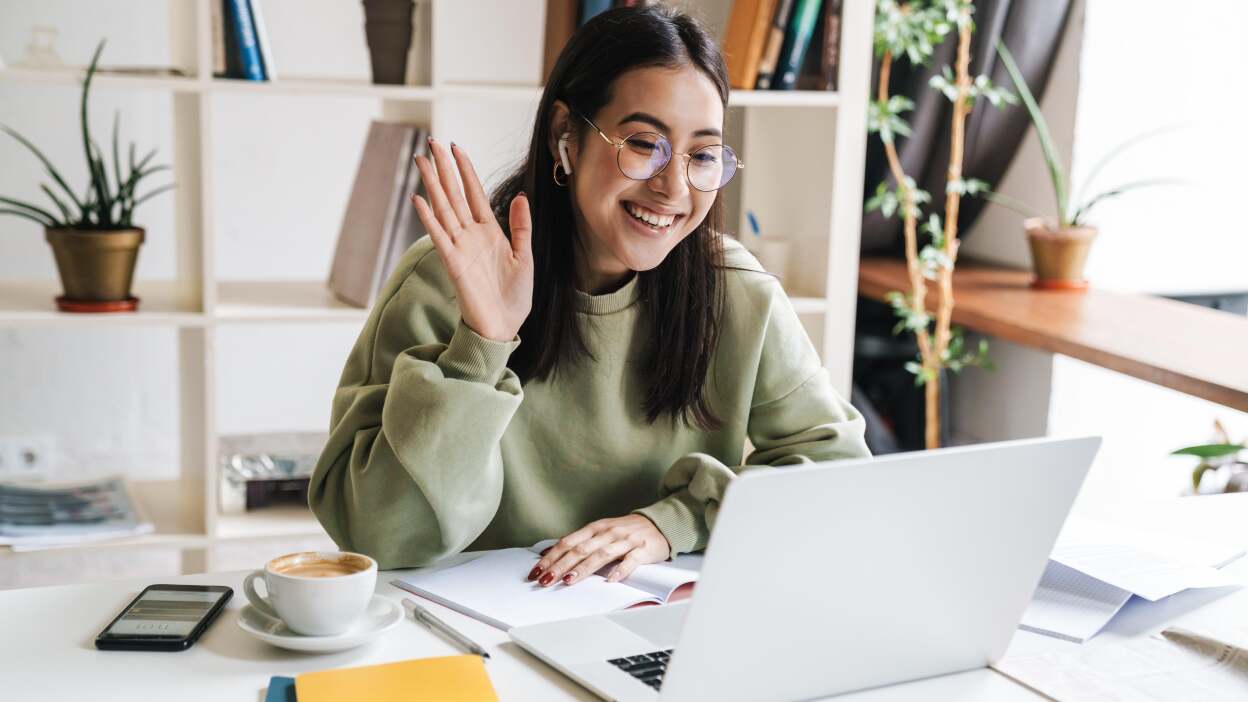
x: 555, y: 176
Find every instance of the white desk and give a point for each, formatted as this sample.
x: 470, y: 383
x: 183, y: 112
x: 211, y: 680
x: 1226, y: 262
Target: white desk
x: 47, y: 647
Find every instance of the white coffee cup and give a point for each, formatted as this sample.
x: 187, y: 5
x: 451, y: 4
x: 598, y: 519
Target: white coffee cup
x: 316, y: 593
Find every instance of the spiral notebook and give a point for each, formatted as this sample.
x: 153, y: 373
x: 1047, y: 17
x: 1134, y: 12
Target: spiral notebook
x: 494, y: 588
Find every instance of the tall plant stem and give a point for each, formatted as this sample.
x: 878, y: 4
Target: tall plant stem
x: 953, y: 200
x: 918, y: 289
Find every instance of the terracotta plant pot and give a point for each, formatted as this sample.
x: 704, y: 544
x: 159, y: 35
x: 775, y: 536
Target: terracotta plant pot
x: 96, y: 267
x: 1058, y: 254
x: 388, y: 29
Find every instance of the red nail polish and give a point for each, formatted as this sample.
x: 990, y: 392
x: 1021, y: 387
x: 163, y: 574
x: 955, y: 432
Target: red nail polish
x: 537, y: 570
x: 567, y: 579
x: 546, y: 579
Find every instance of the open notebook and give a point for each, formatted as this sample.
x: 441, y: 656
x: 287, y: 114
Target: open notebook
x: 494, y: 589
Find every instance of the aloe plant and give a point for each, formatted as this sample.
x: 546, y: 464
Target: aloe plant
x: 104, y: 205
x: 1071, y: 211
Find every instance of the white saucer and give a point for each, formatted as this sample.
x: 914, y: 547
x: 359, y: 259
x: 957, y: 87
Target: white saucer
x: 381, y: 615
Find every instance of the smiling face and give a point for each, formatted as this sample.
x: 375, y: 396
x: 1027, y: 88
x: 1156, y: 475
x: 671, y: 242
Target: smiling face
x: 681, y: 104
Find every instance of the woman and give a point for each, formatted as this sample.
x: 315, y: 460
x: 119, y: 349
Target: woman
x: 652, y: 346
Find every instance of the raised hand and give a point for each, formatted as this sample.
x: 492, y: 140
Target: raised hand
x: 493, y: 277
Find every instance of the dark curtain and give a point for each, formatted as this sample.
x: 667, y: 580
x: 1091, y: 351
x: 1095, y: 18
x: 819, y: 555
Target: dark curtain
x: 1031, y: 30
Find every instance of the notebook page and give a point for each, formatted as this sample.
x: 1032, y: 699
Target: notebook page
x: 494, y: 589
x: 1070, y: 605
x: 658, y: 579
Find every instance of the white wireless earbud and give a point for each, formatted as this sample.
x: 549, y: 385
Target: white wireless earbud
x: 563, y: 152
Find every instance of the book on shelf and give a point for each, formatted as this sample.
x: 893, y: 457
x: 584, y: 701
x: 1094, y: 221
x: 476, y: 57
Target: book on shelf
x: 822, y: 57
x: 36, y: 515
x: 796, y: 42
x: 590, y: 8
x: 775, y: 40
x: 745, y: 40
x: 493, y: 588
x: 379, y: 223
x: 240, y: 44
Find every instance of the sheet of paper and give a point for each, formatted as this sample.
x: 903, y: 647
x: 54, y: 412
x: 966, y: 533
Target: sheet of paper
x: 493, y: 589
x: 1071, y: 605
x: 1150, y: 565
x: 1173, y: 664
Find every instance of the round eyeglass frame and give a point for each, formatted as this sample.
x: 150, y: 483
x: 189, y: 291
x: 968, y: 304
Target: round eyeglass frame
x: 619, y: 147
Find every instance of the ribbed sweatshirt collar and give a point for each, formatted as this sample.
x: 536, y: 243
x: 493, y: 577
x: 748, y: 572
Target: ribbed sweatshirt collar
x: 610, y: 302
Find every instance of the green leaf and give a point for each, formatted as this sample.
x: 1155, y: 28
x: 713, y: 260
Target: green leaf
x: 26, y: 214
x: 1116, y: 151
x: 1082, y: 212
x: 1051, y: 157
x: 1010, y: 203
x: 47, y: 218
x: 47, y: 165
x: 152, y: 194
x: 1209, y: 450
x: 65, y: 214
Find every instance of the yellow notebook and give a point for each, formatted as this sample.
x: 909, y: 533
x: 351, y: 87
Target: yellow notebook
x: 446, y: 679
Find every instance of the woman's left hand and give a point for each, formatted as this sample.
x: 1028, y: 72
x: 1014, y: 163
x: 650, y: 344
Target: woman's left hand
x: 580, y: 554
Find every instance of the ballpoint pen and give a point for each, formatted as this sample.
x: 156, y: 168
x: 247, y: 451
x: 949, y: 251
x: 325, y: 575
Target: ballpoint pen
x: 427, y: 618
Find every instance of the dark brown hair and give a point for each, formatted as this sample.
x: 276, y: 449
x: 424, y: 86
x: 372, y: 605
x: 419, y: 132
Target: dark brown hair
x: 682, y: 297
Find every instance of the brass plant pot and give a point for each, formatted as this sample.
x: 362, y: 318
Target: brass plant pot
x: 96, y: 267
x: 1058, y: 254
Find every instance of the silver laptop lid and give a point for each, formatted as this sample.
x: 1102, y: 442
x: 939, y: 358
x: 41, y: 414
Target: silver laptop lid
x: 858, y: 573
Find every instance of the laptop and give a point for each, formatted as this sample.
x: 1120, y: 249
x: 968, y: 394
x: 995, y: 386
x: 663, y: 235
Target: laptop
x: 841, y: 576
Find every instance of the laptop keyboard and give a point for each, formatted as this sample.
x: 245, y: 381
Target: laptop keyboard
x: 646, y: 667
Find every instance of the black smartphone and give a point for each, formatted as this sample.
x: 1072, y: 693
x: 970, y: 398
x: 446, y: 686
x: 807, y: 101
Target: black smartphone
x: 165, y: 618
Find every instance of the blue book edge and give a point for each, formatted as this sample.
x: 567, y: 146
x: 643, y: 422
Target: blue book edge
x: 281, y: 689
x: 246, y: 41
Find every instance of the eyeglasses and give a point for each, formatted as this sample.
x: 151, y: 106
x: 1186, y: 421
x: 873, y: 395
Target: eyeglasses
x: 643, y: 155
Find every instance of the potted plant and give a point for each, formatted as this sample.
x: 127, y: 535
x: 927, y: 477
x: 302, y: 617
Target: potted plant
x: 1221, y: 460
x: 1060, y: 244
x: 93, y: 236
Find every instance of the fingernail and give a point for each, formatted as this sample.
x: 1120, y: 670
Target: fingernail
x: 567, y: 579
x: 545, y: 550
x: 611, y: 577
x: 452, y: 144
x: 525, y: 195
x: 537, y: 570
x: 546, y: 579
x: 430, y: 138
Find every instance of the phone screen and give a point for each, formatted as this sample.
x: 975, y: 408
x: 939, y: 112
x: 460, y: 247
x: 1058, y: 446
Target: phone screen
x: 172, y: 613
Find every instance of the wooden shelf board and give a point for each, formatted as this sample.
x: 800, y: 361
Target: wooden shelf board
x: 75, y: 76
x: 268, y: 301
x: 783, y: 98
x: 1184, y: 347
x: 358, y: 88
x: 32, y: 303
x: 330, y: 87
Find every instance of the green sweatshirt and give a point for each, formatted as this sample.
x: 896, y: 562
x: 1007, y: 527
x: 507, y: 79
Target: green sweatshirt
x: 435, y: 447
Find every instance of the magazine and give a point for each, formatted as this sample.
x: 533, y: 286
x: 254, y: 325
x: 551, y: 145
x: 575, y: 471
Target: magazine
x: 51, y: 514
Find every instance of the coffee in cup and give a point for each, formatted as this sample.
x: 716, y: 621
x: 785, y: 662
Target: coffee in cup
x: 316, y: 593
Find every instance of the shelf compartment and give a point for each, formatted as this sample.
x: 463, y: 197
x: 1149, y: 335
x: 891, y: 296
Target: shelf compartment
x: 161, y: 501
x: 268, y: 522
x: 275, y: 301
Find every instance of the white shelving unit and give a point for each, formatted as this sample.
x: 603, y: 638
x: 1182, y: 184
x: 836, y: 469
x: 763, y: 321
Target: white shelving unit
x: 804, y: 152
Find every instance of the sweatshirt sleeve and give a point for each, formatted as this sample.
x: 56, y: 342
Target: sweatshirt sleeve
x: 796, y: 417
x: 412, y: 470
